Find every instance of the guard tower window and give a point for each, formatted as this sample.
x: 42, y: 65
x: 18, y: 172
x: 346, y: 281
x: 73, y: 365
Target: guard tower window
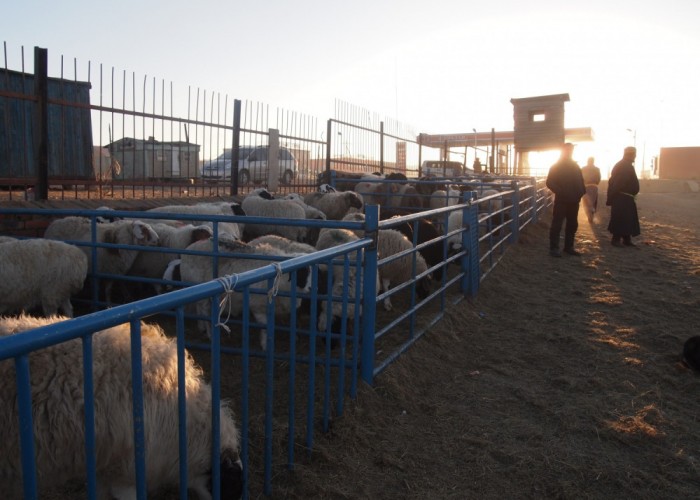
x: 537, y: 116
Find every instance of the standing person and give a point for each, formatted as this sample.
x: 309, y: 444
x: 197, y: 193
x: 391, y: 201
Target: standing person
x: 623, y: 186
x: 591, y: 178
x: 566, y: 182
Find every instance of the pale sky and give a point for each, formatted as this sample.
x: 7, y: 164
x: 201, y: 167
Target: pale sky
x: 439, y: 66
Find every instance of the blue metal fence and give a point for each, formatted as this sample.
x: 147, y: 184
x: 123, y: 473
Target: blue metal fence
x: 326, y: 373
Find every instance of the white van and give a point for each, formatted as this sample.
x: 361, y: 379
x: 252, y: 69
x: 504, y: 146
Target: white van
x: 443, y: 168
x: 252, y: 165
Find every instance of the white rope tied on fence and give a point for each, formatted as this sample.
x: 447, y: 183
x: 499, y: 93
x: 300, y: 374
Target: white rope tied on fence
x: 226, y: 299
x: 272, y: 292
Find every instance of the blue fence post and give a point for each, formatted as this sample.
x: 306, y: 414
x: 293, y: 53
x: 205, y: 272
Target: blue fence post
x: 470, y: 243
x: 26, y: 426
x: 515, y: 212
x: 533, y: 181
x: 369, y: 291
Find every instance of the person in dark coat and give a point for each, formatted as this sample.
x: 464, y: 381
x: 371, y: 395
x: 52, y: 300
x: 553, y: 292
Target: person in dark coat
x: 566, y: 182
x: 623, y: 186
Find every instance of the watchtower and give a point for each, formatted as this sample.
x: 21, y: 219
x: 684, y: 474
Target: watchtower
x: 538, y: 125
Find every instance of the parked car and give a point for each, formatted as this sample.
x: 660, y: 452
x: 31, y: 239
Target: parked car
x: 252, y: 165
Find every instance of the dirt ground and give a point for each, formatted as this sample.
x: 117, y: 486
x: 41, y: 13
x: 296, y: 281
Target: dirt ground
x: 561, y: 379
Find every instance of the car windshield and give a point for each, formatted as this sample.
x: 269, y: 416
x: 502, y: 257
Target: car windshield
x: 243, y: 152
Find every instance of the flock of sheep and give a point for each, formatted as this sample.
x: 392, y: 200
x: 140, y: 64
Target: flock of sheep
x: 45, y: 273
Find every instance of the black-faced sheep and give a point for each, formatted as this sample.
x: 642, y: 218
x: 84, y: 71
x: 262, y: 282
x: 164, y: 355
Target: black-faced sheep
x: 152, y: 264
x: 40, y: 272
x: 198, y: 269
x: 233, y: 229
x: 335, y: 204
x: 328, y: 238
x: 374, y: 191
x: 109, y: 260
x: 425, y: 231
x: 58, y: 407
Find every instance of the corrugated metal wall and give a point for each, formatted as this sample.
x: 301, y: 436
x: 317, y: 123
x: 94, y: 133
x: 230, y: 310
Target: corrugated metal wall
x: 70, y: 129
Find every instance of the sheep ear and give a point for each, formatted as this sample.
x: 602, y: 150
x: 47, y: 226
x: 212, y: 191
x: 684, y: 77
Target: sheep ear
x: 356, y: 201
x: 237, y: 209
x: 264, y: 193
x: 143, y: 232
x: 201, y: 233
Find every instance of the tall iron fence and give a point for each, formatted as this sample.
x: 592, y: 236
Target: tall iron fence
x: 98, y: 133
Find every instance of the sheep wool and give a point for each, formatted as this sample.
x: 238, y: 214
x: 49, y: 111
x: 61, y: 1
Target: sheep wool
x: 328, y: 238
x: 258, y: 204
x: 152, y: 264
x: 334, y: 204
x: 233, y: 229
x: 40, y: 272
x: 197, y: 269
x: 391, y: 242
x: 109, y: 260
x: 57, y: 408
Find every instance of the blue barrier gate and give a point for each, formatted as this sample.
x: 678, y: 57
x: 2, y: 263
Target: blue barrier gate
x: 356, y: 357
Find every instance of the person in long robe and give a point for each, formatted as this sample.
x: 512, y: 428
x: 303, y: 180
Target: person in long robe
x: 623, y: 187
x: 591, y: 178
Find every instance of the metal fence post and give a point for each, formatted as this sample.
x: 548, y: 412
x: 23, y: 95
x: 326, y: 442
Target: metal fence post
x: 329, y: 126
x: 273, y: 164
x: 369, y: 294
x: 515, y: 212
x: 41, y: 120
x: 470, y: 243
x: 381, y: 147
x: 235, y: 145
x: 533, y: 181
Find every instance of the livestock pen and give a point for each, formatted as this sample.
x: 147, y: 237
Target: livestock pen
x: 280, y: 395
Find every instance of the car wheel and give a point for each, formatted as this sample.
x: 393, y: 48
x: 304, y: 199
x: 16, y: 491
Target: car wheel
x: 243, y: 177
x: 287, y: 177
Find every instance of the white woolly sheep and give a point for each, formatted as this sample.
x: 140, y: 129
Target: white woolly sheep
x: 335, y: 204
x: 233, y: 229
x: 356, y: 217
x: 260, y: 203
x: 152, y: 264
x: 58, y: 404
x: 391, y: 242
x: 454, y: 222
x: 109, y: 260
x: 441, y: 198
x: 328, y: 238
x: 40, y: 272
x: 5, y: 239
x: 284, y: 244
x: 312, y: 213
x: 197, y: 269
